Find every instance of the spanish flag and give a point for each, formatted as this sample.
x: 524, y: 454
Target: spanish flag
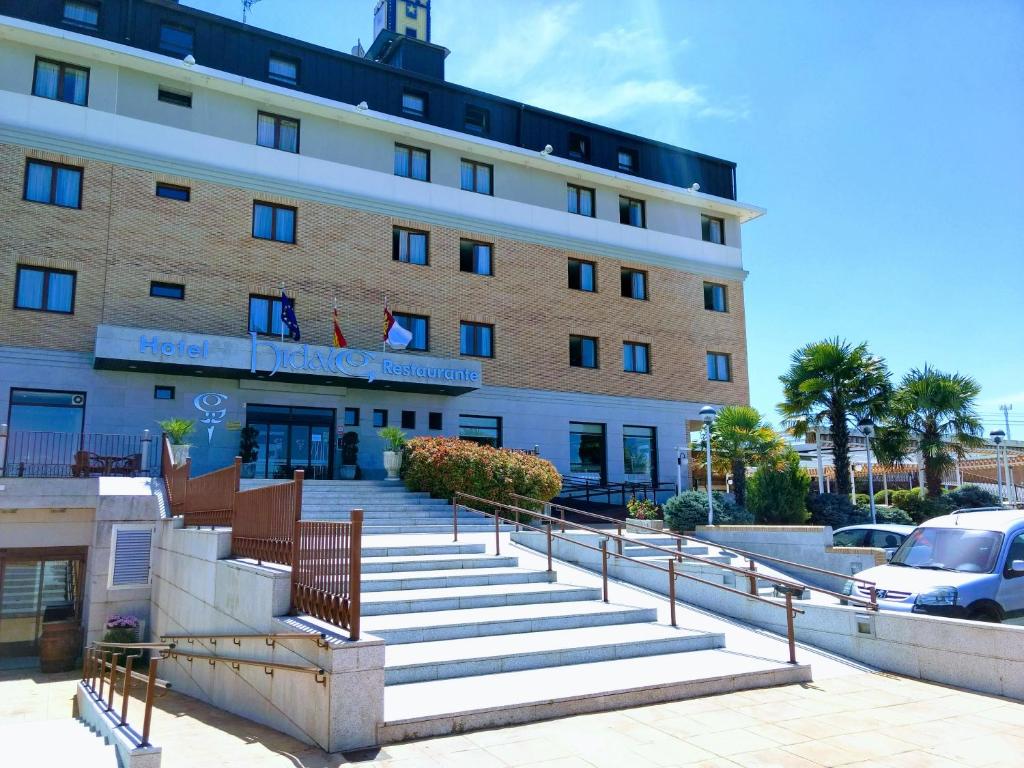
x: 339, y: 338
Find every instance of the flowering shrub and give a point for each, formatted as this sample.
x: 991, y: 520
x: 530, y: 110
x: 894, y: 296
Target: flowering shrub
x: 446, y: 465
x: 122, y: 628
x: 122, y: 621
x: 643, y: 509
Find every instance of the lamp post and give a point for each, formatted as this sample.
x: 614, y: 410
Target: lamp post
x: 707, y: 413
x: 867, y: 428
x: 997, y: 436
x: 679, y: 468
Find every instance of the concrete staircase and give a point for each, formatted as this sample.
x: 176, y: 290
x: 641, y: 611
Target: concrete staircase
x: 55, y: 742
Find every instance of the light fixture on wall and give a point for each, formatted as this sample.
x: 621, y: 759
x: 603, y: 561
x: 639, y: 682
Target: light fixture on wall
x: 695, y: 187
x: 362, y: 106
x: 548, y: 149
x: 189, y: 61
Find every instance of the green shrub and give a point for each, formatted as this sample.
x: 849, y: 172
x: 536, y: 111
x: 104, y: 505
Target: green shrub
x: 835, y: 510
x: 177, y: 430
x: 779, y: 496
x: 690, y: 509
x: 863, y: 500
x: 921, y: 508
x: 972, y: 496
x: 730, y: 513
x: 642, y: 509
x: 444, y: 466
x: 892, y: 515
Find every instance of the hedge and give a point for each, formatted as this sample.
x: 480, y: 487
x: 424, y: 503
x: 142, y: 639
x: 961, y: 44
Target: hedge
x: 690, y: 509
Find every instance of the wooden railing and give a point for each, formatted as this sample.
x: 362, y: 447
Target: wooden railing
x: 264, y: 521
x: 326, y: 569
x: 175, y: 478
x: 210, y: 498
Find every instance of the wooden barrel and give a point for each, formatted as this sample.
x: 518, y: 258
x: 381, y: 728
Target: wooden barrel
x: 59, y: 646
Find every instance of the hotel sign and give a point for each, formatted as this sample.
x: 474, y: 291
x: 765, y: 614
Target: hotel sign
x: 262, y: 357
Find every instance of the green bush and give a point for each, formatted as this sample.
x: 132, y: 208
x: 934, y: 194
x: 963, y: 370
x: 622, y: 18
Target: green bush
x: 444, y: 466
x: 728, y: 512
x: 779, y: 496
x: 921, y: 508
x: 892, y: 515
x: 835, y: 510
x: 863, y: 500
x: 690, y: 509
x: 972, y: 496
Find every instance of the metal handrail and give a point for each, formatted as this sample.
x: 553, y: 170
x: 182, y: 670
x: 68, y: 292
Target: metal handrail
x: 682, y: 537
x: 94, y: 677
x: 268, y: 666
x: 269, y: 639
x: 791, y: 611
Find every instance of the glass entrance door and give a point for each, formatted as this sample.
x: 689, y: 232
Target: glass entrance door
x: 290, y: 438
x: 640, y: 454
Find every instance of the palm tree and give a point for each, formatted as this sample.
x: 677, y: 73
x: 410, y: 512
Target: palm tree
x: 891, y: 447
x: 740, y: 437
x: 939, y: 408
x: 828, y: 382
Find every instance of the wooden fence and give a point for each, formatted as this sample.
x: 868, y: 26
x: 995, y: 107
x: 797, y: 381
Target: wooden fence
x: 210, y: 498
x: 175, y: 478
x: 264, y: 521
x: 326, y: 571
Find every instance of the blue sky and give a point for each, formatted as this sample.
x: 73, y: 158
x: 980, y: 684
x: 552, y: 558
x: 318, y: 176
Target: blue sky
x: 886, y: 140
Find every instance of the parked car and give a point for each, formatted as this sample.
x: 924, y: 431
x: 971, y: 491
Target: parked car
x: 887, y: 536
x: 967, y: 565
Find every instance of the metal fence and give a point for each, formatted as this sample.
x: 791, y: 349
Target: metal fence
x: 78, y: 454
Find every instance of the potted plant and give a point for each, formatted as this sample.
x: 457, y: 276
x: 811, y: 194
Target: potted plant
x: 395, y: 439
x: 644, y: 513
x: 122, y: 628
x: 178, y: 430
x: 248, y: 450
x: 349, y: 455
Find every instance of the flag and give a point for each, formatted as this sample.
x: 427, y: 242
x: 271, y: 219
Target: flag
x: 394, y: 334
x: 339, y: 339
x: 288, y: 317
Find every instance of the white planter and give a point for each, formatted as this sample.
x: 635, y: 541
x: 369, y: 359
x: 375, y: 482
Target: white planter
x: 179, y: 453
x: 654, y: 525
x: 392, y: 463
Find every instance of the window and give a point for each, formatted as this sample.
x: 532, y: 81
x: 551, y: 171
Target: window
x: 712, y: 230
x: 477, y: 120
x: 351, y: 417
x: 131, y: 548
x: 634, y: 284
x: 714, y: 297
x: 639, y: 454
x: 476, y: 177
x: 163, y: 392
x: 414, y: 103
x: 61, y: 82
x: 854, y: 538
x: 277, y: 132
x: 582, y: 275
x: 45, y: 290
x: 408, y: 419
x: 719, y: 368
x: 173, y: 192
x: 273, y: 222
x: 631, y: 212
x: 583, y: 352
x: 586, y: 448
x: 44, y: 410
x: 435, y: 420
x: 581, y: 200
x: 282, y: 69
x: 410, y: 32
x: 485, y: 430
x: 176, y: 40
x: 1014, y: 552
x: 636, y: 358
x: 53, y: 184
x: 419, y: 327
x: 476, y: 339
x: 627, y: 160
x: 412, y: 163
x: 410, y: 246
x: 177, y: 98
x: 380, y: 418
x: 579, y: 147
x: 475, y: 257
x: 265, y: 315
x: 166, y: 290
x: 81, y: 14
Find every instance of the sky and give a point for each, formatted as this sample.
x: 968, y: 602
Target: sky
x: 885, y: 139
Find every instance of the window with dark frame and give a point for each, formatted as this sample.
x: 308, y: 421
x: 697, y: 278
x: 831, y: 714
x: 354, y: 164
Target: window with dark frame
x: 176, y: 40
x: 271, y: 221
x: 475, y: 257
x: 476, y: 339
x: 80, y: 13
x: 163, y: 290
x: 583, y: 352
x: 581, y: 200
x: 579, y: 146
x: 60, y: 81
x: 719, y: 367
x: 410, y: 246
x: 715, y: 297
x: 410, y: 32
x: 485, y: 430
x: 631, y: 212
x: 476, y: 177
x: 163, y: 392
x: 412, y: 163
x: 351, y: 417
x: 264, y: 315
x: 53, y: 184
x: 380, y: 418
x: 42, y: 289
x: 435, y: 420
x: 419, y: 327
x: 627, y: 160
x: 283, y: 69
x: 177, y: 98
x: 636, y: 357
x: 583, y: 275
x: 712, y: 229
x: 477, y: 120
x: 408, y: 419
x: 173, y: 192
x: 414, y: 103
x: 634, y: 284
x: 277, y: 132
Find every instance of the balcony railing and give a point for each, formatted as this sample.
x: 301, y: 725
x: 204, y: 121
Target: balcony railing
x: 77, y: 454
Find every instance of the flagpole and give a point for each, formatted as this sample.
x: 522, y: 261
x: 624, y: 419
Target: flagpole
x: 281, y: 318
x: 384, y: 343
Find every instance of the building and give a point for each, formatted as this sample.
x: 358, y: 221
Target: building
x: 164, y: 172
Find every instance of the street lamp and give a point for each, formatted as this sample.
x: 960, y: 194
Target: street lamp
x: 867, y: 428
x: 680, y: 456
x: 997, y: 436
x: 707, y: 413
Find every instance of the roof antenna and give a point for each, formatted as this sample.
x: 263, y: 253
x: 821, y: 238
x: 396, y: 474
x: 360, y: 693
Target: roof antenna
x: 246, y: 7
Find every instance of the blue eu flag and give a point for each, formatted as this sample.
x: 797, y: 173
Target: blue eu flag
x: 288, y: 317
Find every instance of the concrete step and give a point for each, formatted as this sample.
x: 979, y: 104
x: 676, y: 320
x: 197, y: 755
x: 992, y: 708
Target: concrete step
x: 387, y: 513
x: 66, y: 741
x: 445, y: 659
x: 398, y: 564
x: 399, y: 527
x: 397, y: 629
x: 399, y: 601
x: 647, y: 552
x: 415, y: 550
x: 474, y: 577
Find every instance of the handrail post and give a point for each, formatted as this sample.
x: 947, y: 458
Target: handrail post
x: 103, y: 673
x: 672, y: 590
x: 355, y: 574
x: 293, y: 589
x: 547, y: 528
x: 85, y: 665
x: 455, y: 517
x: 790, y: 632
x: 874, y: 598
x: 497, y: 533
x: 127, y: 686
x: 561, y: 511
x: 238, y: 474
x: 150, y: 687
x: 604, y: 568
x: 751, y: 577
x: 113, y: 677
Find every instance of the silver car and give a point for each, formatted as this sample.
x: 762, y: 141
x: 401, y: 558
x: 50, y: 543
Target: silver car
x: 887, y: 536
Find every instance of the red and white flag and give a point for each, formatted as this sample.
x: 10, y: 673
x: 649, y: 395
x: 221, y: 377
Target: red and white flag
x: 394, y: 334
x: 339, y: 338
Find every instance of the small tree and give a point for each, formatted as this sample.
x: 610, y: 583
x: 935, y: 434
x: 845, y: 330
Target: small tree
x: 349, y: 448
x: 177, y: 430
x: 739, y: 438
x: 779, y: 496
x: 248, y: 448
